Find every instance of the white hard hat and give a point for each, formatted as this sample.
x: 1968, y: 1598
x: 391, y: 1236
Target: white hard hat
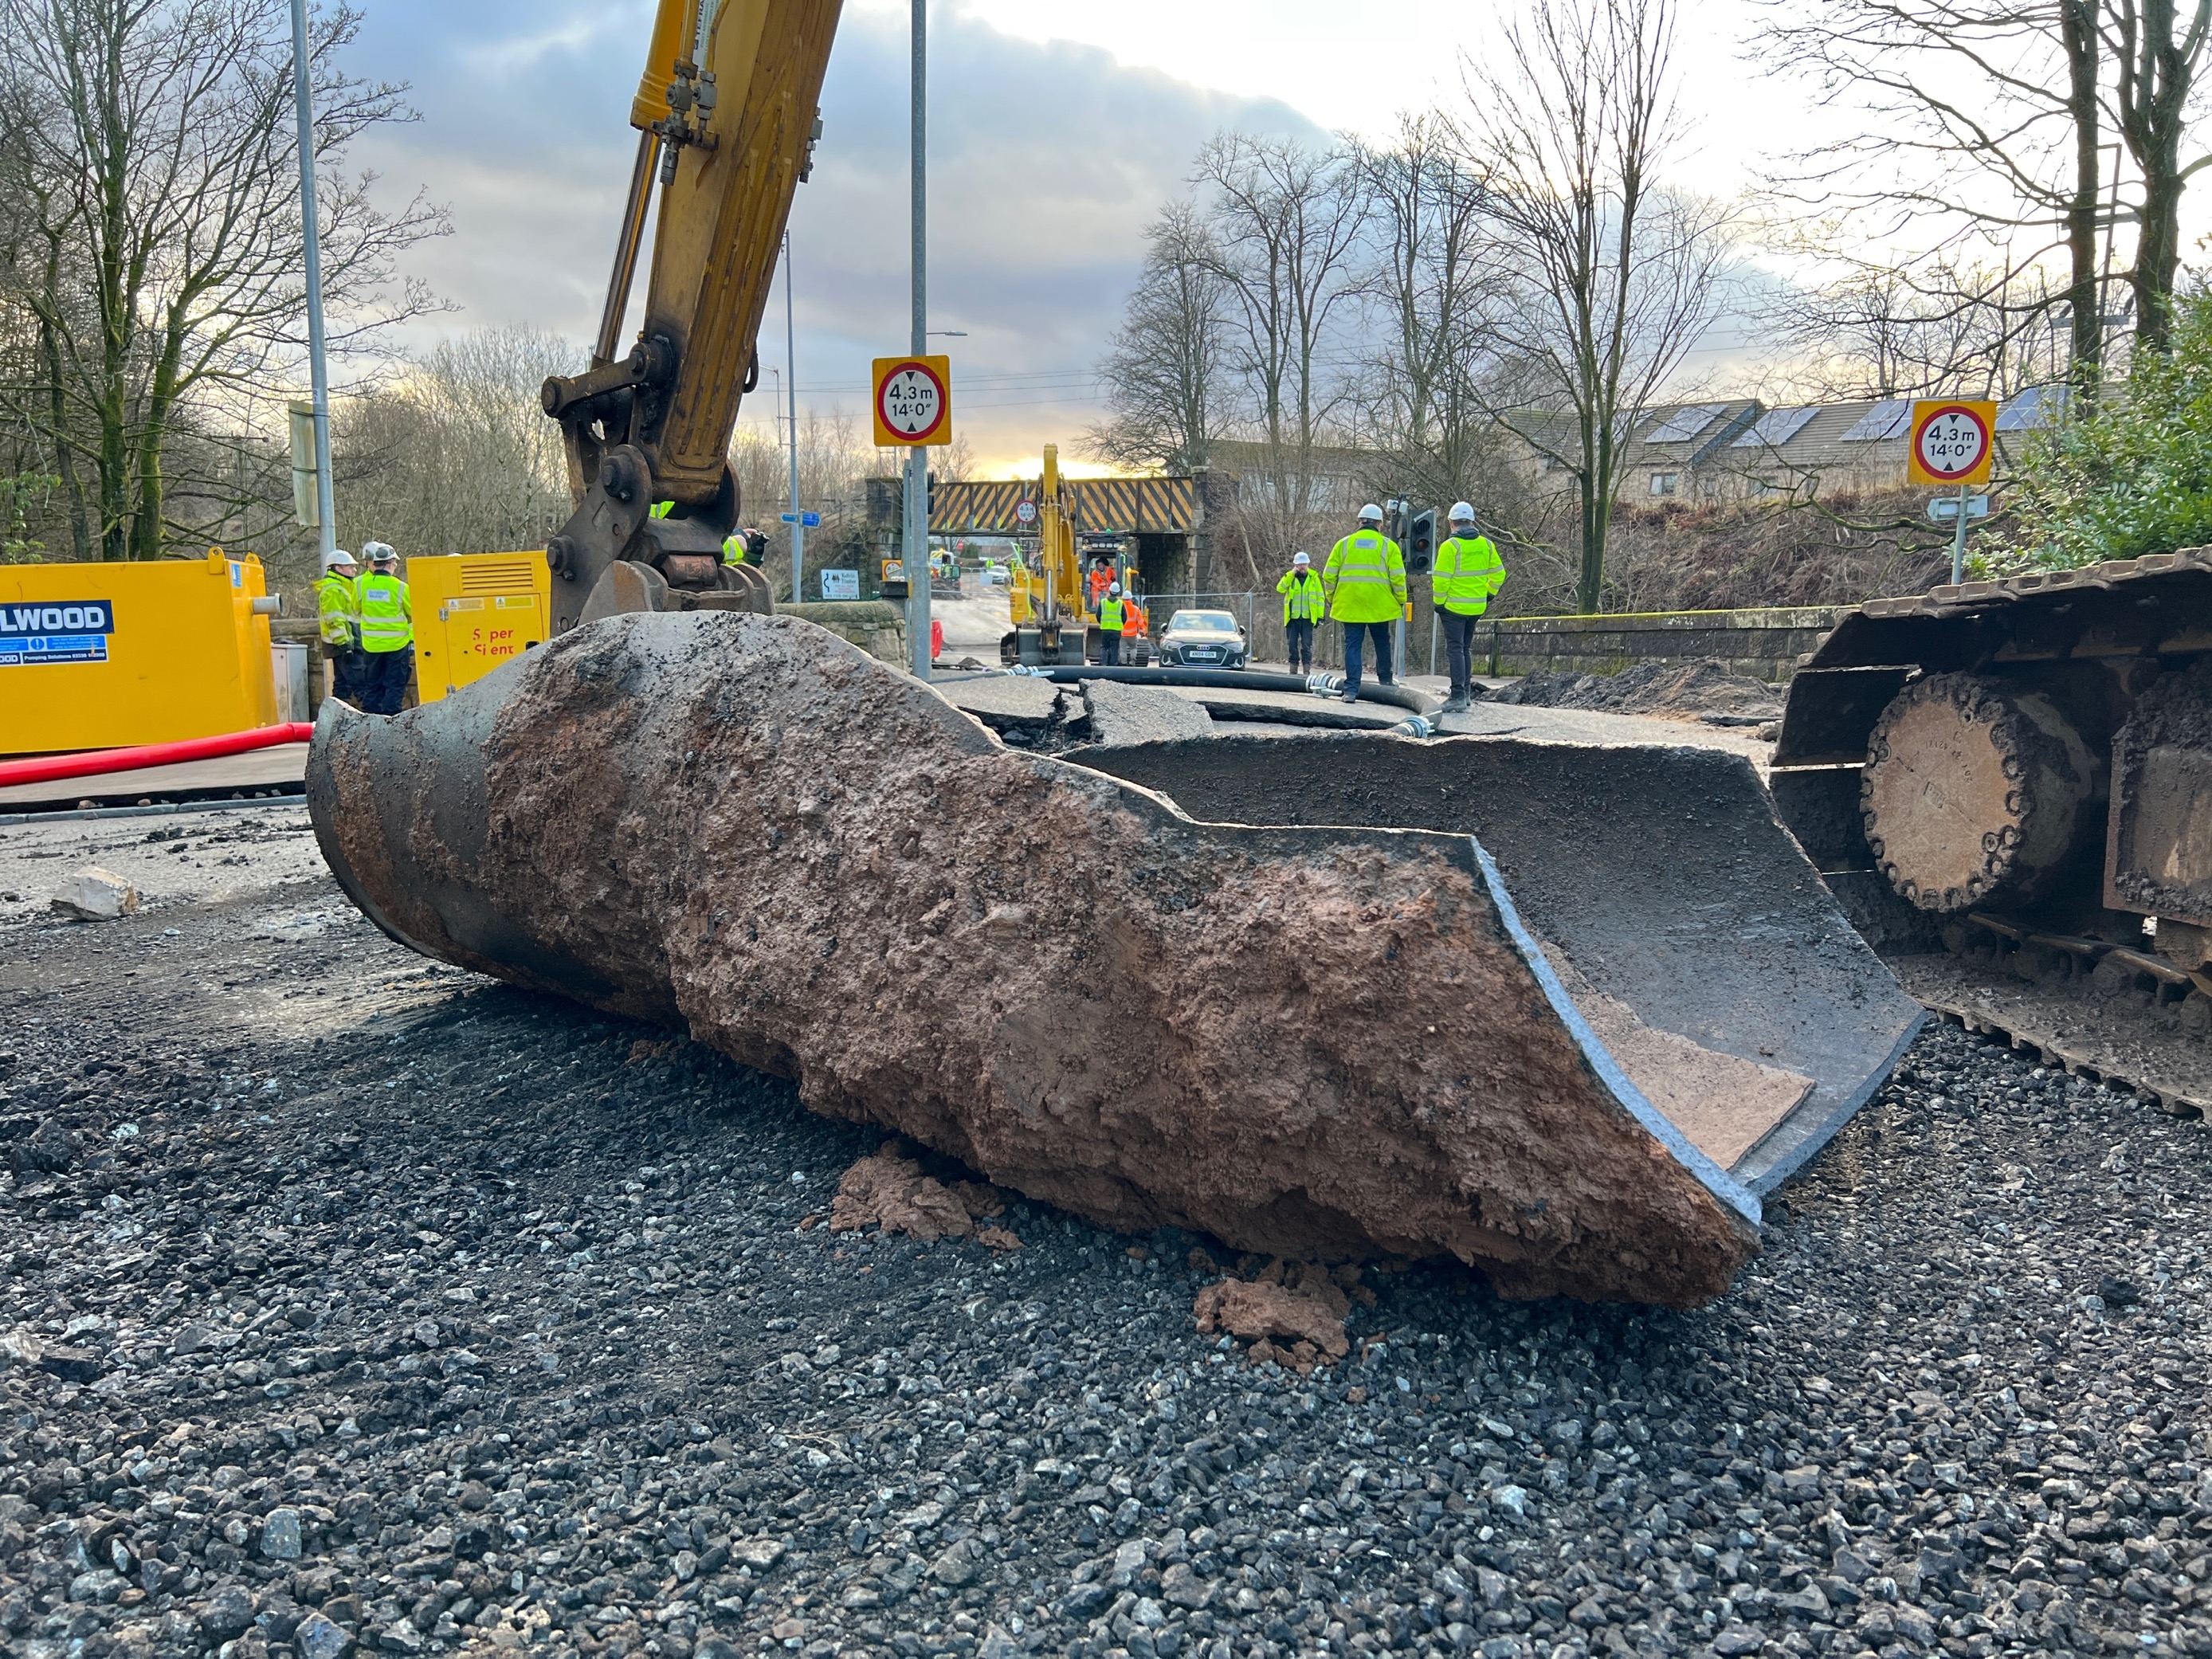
x: 1113, y: 587
x: 1461, y: 512
x: 335, y: 557
x: 1370, y: 511
x: 374, y: 550
x: 1300, y: 558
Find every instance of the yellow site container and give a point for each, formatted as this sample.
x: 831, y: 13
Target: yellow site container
x: 99, y: 656
x: 472, y: 613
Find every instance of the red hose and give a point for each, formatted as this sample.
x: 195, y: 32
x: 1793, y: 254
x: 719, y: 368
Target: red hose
x: 45, y: 768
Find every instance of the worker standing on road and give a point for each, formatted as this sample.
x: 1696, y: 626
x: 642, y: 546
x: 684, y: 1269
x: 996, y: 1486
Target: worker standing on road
x: 1111, y: 615
x: 338, y: 609
x: 1365, y: 580
x: 388, y: 631
x: 1304, y: 604
x: 1468, y: 573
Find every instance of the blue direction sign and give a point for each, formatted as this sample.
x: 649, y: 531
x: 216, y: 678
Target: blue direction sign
x: 811, y: 520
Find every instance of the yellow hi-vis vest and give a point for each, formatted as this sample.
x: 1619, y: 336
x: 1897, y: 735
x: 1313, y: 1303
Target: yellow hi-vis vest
x: 387, y: 614
x: 733, y: 550
x: 1467, y: 572
x: 1109, y: 615
x: 1303, y: 599
x: 1366, y: 578
x: 334, y: 603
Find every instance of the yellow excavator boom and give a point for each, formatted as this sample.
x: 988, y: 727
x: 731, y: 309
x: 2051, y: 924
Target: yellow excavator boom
x: 727, y: 125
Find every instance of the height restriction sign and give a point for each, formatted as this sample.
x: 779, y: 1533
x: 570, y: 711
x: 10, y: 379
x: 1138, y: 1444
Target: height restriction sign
x: 1953, y: 441
x: 913, y: 401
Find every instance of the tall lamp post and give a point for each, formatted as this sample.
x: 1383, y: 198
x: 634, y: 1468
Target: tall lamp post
x: 790, y: 378
x: 304, y: 107
x: 913, y: 552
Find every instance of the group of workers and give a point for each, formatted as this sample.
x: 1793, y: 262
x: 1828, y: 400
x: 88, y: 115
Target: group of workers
x: 367, y: 623
x: 368, y: 628
x: 1364, y: 586
x: 1118, y: 612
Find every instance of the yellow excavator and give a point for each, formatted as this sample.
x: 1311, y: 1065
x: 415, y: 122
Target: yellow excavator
x: 1048, y: 598
x: 727, y: 126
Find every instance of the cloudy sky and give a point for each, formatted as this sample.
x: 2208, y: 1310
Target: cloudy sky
x: 1057, y: 130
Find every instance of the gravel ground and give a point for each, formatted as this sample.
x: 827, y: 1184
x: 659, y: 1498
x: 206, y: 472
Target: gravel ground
x: 359, y: 1304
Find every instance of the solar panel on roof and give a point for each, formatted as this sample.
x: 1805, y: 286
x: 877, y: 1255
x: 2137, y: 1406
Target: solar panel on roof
x: 1774, y: 428
x: 1682, y: 425
x: 1887, y: 419
x: 2039, y: 405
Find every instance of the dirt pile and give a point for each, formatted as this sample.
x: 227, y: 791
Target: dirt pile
x: 890, y: 1190
x: 743, y: 826
x: 1669, y: 690
x: 1303, y: 1304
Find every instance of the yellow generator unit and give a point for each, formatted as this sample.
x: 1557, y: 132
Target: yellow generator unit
x: 101, y: 656
x: 472, y: 613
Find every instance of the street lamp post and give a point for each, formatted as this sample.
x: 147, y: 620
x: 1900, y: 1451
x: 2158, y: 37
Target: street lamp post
x: 791, y: 378
x: 915, y: 549
x: 304, y: 108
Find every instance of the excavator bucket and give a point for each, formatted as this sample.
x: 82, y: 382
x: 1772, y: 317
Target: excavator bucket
x: 1180, y: 985
x: 1687, y: 926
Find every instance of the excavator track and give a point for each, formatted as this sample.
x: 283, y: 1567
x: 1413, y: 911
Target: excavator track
x: 2057, y: 716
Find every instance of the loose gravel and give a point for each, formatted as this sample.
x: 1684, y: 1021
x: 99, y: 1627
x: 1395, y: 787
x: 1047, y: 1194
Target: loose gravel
x: 431, y: 1316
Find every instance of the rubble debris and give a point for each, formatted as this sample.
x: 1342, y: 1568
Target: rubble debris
x: 97, y: 895
x: 1008, y: 703
x: 1125, y: 713
x: 1664, y: 688
x: 890, y: 1189
x: 570, y: 825
x: 1299, y: 1302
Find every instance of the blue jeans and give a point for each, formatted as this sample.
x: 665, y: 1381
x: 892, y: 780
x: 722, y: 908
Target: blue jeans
x: 1354, y: 636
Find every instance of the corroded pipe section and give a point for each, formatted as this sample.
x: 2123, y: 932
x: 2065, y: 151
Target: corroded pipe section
x: 745, y: 828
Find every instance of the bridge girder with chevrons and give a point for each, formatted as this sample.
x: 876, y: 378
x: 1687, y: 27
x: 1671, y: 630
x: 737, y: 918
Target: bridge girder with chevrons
x: 1167, y: 504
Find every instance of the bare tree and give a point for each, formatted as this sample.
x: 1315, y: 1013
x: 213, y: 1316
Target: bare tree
x: 1163, y: 370
x: 2157, y: 49
x: 454, y: 455
x: 1606, y: 280
x: 152, y: 155
x: 1931, y: 330
x: 1986, y: 148
x: 1436, y: 373
x: 1288, y: 228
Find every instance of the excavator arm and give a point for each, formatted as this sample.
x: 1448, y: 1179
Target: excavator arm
x: 727, y: 126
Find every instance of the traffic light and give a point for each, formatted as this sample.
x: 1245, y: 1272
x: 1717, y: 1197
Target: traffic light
x: 1421, y: 541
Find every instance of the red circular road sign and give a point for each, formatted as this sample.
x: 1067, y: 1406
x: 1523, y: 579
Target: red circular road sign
x: 1952, y: 442
x: 912, y: 402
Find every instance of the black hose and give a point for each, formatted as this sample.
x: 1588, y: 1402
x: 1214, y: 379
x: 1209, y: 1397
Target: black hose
x: 1237, y: 679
